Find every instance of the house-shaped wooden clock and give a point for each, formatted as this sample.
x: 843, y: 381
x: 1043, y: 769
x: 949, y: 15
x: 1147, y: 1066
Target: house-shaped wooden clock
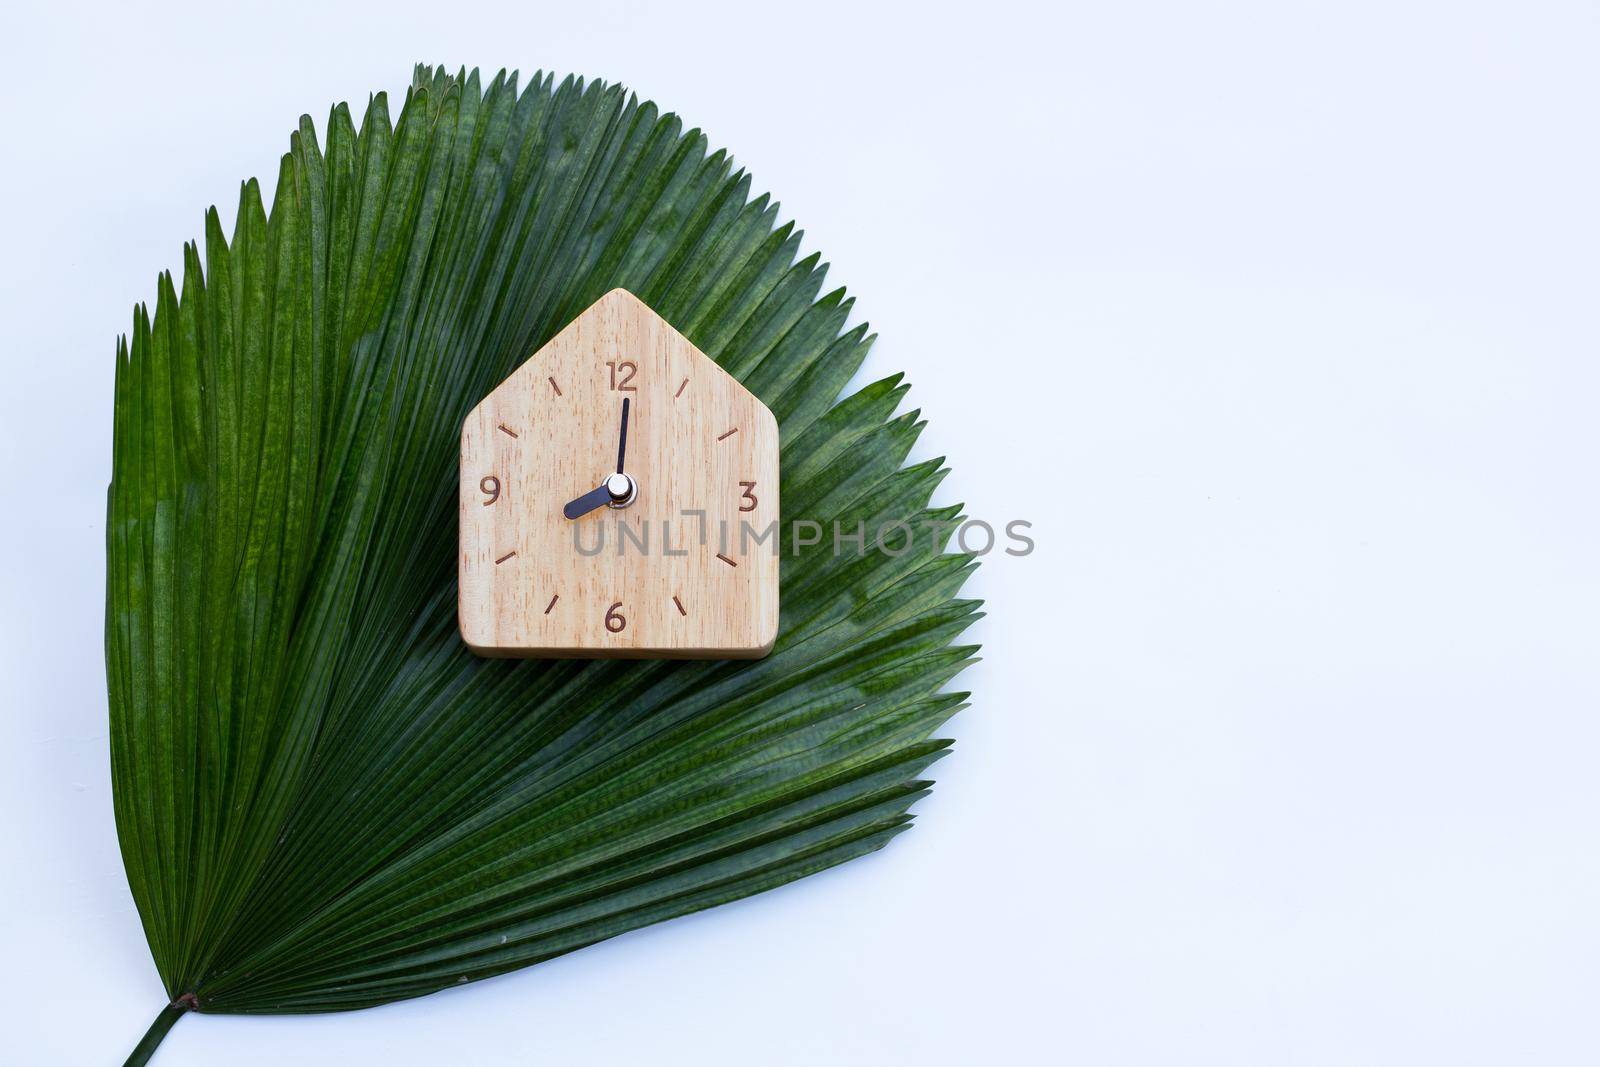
x: 619, y: 498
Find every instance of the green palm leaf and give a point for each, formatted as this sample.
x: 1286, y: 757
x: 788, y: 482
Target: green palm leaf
x: 324, y: 801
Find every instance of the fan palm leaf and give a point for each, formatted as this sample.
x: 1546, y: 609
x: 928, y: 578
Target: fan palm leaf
x: 324, y: 800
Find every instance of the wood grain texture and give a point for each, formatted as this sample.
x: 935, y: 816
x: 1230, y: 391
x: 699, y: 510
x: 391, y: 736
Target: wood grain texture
x: 698, y: 441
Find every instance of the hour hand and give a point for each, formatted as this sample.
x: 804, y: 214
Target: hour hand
x: 594, y: 498
x: 617, y: 491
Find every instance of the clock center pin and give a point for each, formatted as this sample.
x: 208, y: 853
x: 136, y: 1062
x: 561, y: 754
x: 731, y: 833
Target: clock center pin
x: 623, y: 490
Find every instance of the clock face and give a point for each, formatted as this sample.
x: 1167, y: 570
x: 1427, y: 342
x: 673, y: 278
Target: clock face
x: 619, y: 497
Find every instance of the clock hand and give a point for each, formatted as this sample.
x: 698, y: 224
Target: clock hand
x: 586, y: 503
x: 622, y: 441
x: 617, y: 491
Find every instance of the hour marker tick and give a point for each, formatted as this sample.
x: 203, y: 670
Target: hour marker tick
x: 729, y: 434
x: 681, y: 388
x: 554, y: 386
x: 505, y: 557
x: 679, y: 604
x: 506, y: 429
x: 552, y: 603
x: 726, y: 560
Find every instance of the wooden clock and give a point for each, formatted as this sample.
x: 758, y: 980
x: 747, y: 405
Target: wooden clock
x: 619, y: 498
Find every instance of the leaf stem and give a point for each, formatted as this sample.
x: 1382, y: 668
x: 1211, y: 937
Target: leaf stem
x: 152, y: 1037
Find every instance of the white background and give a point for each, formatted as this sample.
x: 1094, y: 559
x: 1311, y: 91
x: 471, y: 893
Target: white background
x: 1278, y: 320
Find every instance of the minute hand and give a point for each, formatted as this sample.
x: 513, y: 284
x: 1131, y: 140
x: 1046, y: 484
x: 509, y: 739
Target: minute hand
x: 622, y: 437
